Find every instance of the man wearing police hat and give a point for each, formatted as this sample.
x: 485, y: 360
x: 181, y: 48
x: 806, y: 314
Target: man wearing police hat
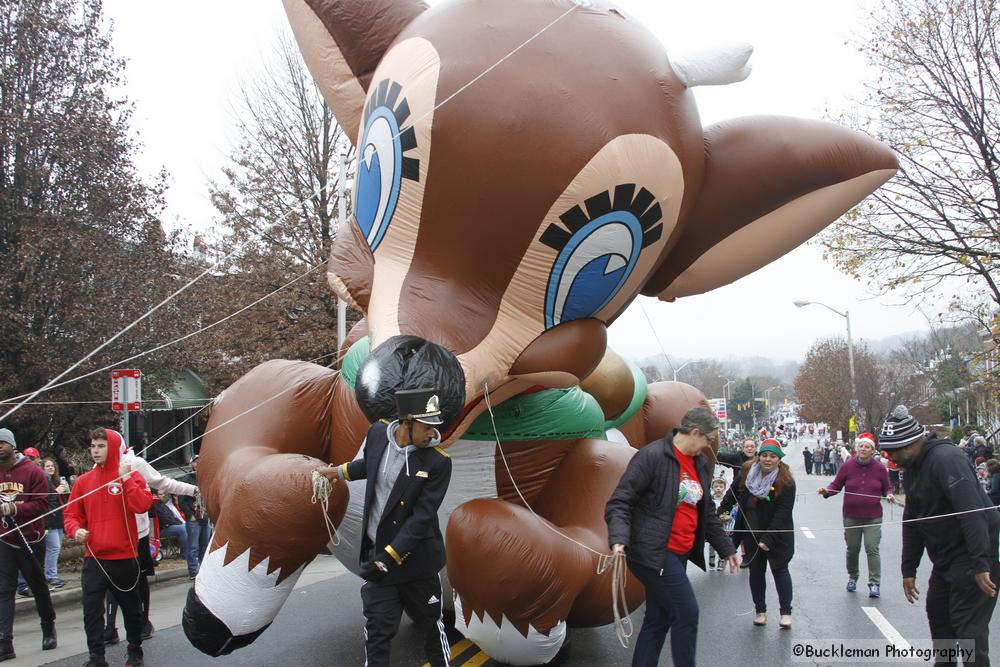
x: 402, y: 550
x: 962, y: 544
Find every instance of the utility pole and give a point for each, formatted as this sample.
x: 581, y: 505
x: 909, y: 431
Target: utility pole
x: 341, y: 225
x: 850, y: 358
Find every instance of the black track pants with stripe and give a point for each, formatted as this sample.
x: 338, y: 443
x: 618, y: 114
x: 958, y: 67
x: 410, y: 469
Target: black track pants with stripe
x: 383, y: 607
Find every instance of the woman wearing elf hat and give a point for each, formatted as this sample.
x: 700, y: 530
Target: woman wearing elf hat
x: 766, y: 498
x: 865, y: 482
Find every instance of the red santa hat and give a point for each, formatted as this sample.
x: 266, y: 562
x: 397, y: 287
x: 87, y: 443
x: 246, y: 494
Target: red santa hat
x: 865, y: 437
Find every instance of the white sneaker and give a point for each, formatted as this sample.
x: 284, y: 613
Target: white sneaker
x: 785, y: 622
x: 760, y: 619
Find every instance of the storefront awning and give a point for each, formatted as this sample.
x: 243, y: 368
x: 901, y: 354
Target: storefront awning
x: 187, y: 392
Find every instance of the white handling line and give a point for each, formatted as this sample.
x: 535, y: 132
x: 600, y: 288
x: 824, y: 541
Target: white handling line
x: 885, y: 627
x: 808, y: 533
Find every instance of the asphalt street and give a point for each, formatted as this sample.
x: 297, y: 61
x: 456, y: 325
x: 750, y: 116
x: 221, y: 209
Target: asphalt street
x: 321, y: 622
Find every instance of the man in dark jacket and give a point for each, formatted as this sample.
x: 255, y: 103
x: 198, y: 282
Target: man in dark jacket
x: 402, y: 550
x: 199, y: 530
x: 993, y: 468
x: 23, y: 499
x: 980, y: 448
x: 962, y: 544
x: 659, y: 517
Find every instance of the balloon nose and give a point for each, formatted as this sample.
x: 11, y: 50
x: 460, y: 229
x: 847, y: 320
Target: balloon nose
x: 207, y: 633
x: 410, y: 362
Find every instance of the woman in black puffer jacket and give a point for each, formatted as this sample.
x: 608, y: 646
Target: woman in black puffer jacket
x: 736, y: 460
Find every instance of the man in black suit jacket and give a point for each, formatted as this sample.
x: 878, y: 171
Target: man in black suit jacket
x: 402, y: 550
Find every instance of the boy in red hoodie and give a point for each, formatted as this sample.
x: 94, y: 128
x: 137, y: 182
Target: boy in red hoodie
x: 105, y: 522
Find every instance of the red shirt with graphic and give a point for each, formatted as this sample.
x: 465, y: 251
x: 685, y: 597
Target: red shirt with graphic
x: 689, y: 493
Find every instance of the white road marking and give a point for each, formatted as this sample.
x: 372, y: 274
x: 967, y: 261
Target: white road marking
x: 808, y: 533
x: 885, y: 627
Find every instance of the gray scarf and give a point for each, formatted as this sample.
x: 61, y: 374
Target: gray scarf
x: 758, y: 483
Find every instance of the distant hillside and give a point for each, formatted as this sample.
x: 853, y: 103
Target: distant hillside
x: 883, y: 346
x: 784, y: 371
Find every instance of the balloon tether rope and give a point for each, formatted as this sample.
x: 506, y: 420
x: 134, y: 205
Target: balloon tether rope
x: 321, y: 494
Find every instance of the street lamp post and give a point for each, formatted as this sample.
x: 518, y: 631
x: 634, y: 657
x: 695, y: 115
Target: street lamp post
x: 850, y: 354
x: 725, y: 397
x: 767, y: 400
x: 686, y: 363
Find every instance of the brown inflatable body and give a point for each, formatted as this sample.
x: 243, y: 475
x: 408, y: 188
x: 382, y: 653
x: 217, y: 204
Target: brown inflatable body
x: 513, y: 196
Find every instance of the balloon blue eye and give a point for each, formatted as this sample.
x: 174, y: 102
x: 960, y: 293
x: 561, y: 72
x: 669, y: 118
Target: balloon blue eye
x: 382, y: 163
x: 598, y: 249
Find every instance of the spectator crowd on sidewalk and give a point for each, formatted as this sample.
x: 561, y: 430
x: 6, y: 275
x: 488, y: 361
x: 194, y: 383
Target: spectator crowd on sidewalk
x: 44, y: 505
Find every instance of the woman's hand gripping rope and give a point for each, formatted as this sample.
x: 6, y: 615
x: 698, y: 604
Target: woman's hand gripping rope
x: 619, y: 575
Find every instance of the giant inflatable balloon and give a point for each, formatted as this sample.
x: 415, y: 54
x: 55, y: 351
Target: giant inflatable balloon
x: 526, y: 168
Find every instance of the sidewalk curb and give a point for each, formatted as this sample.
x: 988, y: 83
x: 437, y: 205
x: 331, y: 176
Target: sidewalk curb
x: 66, y: 596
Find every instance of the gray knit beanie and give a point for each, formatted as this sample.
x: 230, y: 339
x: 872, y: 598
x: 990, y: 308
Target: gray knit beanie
x: 6, y: 435
x: 900, y: 429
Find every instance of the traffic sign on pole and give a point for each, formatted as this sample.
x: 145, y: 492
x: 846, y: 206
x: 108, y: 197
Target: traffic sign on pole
x: 126, y: 389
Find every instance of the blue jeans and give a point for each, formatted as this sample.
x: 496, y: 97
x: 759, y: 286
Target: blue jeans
x: 198, y: 535
x: 758, y: 584
x: 180, y: 532
x: 53, y: 543
x: 670, y: 606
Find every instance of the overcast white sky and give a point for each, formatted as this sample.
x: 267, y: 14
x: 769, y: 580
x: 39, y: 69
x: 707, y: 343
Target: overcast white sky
x: 187, y: 59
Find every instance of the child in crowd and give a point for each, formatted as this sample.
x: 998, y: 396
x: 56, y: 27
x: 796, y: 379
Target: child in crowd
x: 728, y: 521
x: 982, y: 474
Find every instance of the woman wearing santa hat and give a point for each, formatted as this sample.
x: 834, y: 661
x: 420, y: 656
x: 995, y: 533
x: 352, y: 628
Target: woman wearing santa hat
x: 865, y: 481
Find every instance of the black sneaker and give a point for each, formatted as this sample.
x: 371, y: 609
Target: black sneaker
x: 96, y: 661
x: 111, y: 636
x: 7, y: 650
x: 147, y: 630
x: 134, y: 656
x: 56, y: 583
x: 25, y: 592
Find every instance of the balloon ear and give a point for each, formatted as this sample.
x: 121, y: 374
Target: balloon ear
x: 771, y: 184
x: 717, y: 65
x: 343, y: 41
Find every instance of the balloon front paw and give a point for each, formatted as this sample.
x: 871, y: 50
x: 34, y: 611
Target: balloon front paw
x: 515, y: 580
x: 231, y: 604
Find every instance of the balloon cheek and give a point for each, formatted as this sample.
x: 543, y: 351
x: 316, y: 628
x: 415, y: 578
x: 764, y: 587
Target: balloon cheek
x: 574, y: 348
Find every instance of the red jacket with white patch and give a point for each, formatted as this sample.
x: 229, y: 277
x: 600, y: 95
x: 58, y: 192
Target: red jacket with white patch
x: 108, y: 513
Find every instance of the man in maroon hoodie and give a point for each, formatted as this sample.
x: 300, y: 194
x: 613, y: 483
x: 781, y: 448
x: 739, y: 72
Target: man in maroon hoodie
x: 105, y: 522
x: 24, y: 497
